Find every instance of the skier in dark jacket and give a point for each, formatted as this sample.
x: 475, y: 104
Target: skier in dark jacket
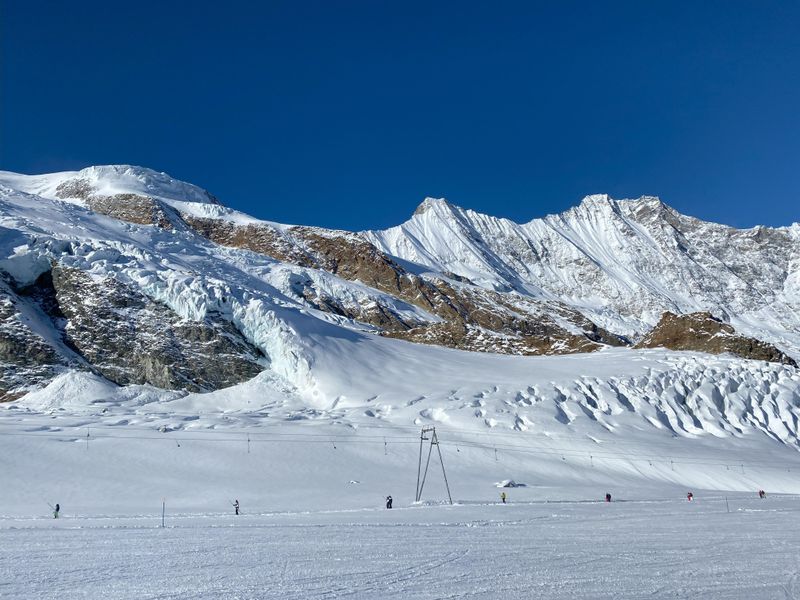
x: 236, y: 506
x: 388, y: 502
x: 56, y: 511
x: 608, y: 497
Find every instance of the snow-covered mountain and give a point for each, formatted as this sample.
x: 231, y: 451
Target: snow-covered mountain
x: 131, y: 300
x: 622, y: 263
x: 91, y: 256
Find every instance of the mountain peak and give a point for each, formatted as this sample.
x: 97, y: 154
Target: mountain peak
x: 433, y: 204
x: 596, y: 199
x: 109, y: 179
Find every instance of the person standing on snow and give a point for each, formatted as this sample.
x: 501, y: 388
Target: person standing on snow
x: 388, y: 502
x: 236, y: 506
x: 503, y: 497
x: 56, y: 511
x: 689, y: 496
x: 608, y: 497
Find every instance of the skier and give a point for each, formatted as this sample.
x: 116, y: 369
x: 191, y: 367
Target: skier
x: 689, y: 496
x: 56, y: 510
x: 503, y: 497
x: 236, y: 506
x: 608, y: 497
x: 388, y: 502
x: 762, y: 494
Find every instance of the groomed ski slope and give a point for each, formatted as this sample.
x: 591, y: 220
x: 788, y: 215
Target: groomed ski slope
x: 667, y: 548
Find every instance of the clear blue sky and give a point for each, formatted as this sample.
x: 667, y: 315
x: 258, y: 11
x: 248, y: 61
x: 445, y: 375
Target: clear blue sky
x: 346, y: 114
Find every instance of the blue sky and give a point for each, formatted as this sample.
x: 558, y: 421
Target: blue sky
x: 346, y: 114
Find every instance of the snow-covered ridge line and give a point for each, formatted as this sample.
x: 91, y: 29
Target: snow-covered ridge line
x: 109, y: 180
x: 623, y: 263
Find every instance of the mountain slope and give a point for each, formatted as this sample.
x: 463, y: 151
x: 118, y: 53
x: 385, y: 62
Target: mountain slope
x: 622, y: 263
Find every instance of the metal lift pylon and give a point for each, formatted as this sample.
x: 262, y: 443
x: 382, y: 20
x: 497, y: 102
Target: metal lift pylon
x: 434, y: 439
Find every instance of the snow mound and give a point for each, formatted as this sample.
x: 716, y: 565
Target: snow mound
x: 71, y: 391
x: 509, y: 483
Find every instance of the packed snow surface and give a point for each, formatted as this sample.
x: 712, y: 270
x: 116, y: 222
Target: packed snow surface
x: 658, y: 548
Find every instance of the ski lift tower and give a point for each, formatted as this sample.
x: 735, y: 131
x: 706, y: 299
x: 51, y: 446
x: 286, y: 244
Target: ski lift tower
x: 434, y: 441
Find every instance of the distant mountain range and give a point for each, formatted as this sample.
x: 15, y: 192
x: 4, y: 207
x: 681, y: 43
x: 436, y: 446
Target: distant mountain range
x: 139, y: 278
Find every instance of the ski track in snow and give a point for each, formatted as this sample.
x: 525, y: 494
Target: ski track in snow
x: 670, y: 549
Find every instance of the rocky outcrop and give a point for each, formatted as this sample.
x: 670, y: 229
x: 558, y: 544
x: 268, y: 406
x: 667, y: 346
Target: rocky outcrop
x: 106, y: 327
x: 133, y: 208
x: 702, y: 332
x: 488, y: 321
x: 129, y: 338
x: 26, y: 359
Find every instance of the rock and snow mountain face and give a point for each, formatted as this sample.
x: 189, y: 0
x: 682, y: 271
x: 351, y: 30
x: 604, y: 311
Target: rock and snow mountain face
x: 125, y: 292
x: 595, y: 276
x: 622, y: 263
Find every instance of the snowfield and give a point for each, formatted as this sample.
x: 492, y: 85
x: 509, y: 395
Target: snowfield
x: 312, y: 483
x: 668, y: 548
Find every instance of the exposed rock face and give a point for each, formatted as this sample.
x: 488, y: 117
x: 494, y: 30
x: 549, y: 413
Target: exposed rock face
x: 488, y: 321
x: 133, y: 208
x: 702, y: 332
x: 108, y: 328
x: 26, y: 359
x: 128, y: 338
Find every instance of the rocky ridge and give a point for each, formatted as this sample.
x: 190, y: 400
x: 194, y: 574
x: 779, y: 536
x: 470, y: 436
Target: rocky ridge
x: 702, y: 332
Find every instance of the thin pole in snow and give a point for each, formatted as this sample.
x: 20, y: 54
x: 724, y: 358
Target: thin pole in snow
x: 87, y: 438
x: 728, y: 508
x: 248, y: 443
x: 385, y: 447
x: 419, y: 465
x: 441, y: 461
x: 427, y: 464
x: 163, y: 510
